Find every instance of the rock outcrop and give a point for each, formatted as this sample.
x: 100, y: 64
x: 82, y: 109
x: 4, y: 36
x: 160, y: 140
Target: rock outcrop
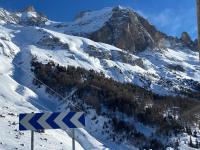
x: 29, y: 9
x: 31, y: 18
x: 188, y: 42
x: 127, y: 30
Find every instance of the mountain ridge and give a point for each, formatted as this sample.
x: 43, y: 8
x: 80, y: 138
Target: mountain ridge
x: 130, y: 23
x: 145, y: 35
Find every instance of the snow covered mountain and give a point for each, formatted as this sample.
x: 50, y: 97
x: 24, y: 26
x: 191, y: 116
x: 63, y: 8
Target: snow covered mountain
x: 156, y: 62
x: 124, y: 28
x: 158, y: 55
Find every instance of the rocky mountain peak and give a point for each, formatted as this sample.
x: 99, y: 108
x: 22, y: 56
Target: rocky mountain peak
x: 127, y: 30
x: 188, y: 42
x: 118, y: 26
x: 29, y: 9
x: 185, y: 37
x: 29, y: 16
x: 121, y: 9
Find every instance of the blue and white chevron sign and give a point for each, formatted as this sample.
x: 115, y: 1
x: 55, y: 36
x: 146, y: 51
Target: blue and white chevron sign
x: 48, y: 120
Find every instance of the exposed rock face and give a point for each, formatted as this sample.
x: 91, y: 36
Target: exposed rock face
x: 32, y: 18
x: 185, y: 38
x: 29, y: 9
x: 52, y: 42
x: 28, y: 17
x: 127, y: 30
x: 187, y: 41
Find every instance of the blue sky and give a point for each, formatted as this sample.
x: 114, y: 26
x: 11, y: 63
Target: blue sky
x: 170, y: 16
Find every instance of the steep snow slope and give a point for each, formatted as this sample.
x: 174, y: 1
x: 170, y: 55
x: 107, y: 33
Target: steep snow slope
x: 178, y: 67
x: 16, y: 98
x: 164, y: 71
x: 6, y: 17
x: 85, y: 21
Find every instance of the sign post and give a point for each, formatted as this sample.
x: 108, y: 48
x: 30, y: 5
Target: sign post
x: 51, y: 120
x: 73, y: 140
x: 32, y: 140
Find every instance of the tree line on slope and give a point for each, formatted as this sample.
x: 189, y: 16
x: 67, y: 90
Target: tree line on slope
x: 170, y: 115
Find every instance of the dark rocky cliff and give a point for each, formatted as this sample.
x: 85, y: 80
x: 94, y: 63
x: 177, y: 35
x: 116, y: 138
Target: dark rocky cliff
x: 128, y: 30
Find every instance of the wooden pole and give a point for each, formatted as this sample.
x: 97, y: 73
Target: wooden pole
x: 198, y: 22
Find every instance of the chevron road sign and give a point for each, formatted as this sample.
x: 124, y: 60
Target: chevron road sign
x: 48, y: 120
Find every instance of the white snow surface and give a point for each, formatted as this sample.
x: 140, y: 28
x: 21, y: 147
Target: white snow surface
x: 86, y: 23
x: 17, y: 98
x: 6, y: 17
x: 14, y: 100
